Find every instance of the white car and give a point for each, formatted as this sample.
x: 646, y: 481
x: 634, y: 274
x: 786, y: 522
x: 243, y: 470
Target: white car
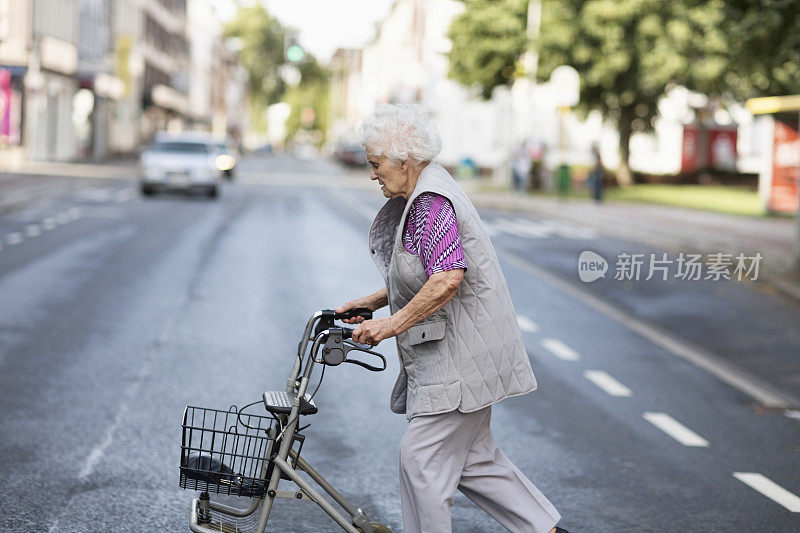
x: 183, y: 161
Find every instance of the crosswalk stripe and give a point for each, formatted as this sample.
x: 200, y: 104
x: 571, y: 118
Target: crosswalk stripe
x: 792, y: 413
x: 123, y: 195
x: 560, y: 350
x: 607, y: 383
x: 675, y: 429
x: 14, y: 238
x: 526, y: 324
x: 770, y: 489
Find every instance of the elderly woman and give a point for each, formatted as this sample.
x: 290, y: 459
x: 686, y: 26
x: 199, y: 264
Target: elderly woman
x: 460, y: 348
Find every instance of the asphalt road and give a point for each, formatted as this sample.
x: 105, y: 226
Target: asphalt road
x: 117, y: 312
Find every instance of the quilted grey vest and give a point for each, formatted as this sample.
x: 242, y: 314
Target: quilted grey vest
x: 469, y: 354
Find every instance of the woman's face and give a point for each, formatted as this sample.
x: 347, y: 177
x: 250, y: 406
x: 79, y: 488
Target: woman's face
x: 393, y: 177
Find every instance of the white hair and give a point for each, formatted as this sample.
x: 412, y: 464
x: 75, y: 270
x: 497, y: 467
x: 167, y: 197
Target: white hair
x: 401, y: 131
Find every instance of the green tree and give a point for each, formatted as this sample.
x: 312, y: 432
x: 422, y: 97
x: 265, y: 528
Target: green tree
x: 262, y: 54
x: 261, y: 37
x: 764, y: 48
x: 312, y: 93
x: 487, y: 38
x: 628, y: 53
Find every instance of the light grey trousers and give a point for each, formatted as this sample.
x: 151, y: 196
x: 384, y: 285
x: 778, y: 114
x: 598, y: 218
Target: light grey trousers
x: 440, y: 453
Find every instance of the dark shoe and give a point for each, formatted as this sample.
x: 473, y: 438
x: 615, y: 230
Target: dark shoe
x: 561, y: 530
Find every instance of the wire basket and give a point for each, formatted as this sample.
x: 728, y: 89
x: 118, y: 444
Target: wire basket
x: 226, y: 452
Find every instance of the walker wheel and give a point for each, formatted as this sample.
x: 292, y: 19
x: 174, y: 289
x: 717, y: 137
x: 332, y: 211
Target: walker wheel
x: 377, y: 528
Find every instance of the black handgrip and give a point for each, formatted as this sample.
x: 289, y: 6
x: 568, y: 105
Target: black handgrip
x: 353, y: 313
x: 347, y: 333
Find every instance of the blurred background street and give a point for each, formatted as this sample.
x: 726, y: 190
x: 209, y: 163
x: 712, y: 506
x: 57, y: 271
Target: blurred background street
x: 181, y: 186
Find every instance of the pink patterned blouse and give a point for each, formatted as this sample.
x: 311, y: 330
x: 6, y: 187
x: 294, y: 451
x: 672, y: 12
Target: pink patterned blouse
x: 431, y: 232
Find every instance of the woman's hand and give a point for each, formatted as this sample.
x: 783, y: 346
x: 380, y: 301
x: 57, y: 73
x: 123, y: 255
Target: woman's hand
x: 373, y: 332
x: 373, y: 302
x: 355, y: 304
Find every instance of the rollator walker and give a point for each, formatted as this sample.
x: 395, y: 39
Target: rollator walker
x: 240, y: 454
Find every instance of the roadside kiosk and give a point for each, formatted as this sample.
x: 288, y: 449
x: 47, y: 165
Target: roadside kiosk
x: 779, y: 179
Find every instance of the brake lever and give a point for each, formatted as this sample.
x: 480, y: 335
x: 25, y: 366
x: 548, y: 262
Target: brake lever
x: 356, y: 347
x: 360, y: 347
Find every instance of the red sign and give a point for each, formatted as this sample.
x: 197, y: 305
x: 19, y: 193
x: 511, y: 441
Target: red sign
x: 691, y: 149
x: 783, y: 197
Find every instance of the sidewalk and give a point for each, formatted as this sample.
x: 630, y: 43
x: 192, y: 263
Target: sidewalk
x: 37, y: 182
x: 672, y: 228
x: 118, y: 169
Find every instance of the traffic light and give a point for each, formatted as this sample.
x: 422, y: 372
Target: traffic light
x: 292, y: 50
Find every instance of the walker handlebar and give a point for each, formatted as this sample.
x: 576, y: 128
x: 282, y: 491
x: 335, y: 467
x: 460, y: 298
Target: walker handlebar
x: 363, y: 312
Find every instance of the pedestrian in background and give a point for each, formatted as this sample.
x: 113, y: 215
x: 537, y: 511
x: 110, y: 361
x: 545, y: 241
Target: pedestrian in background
x: 520, y: 167
x: 597, y: 176
x: 460, y: 347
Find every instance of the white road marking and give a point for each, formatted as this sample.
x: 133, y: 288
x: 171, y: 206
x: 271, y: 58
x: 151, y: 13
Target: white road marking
x: 508, y: 226
x: 675, y: 429
x: 124, y: 195
x: 94, y: 194
x: 791, y: 413
x: 607, y: 383
x: 770, y: 489
x: 533, y: 229
x: 526, y: 324
x: 33, y: 230
x: 544, y: 229
x: 62, y: 218
x: 74, y: 213
x: 48, y: 224
x: 754, y: 386
x: 97, y: 452
x: 14, y: 238
x: 358, y: 206
x: 560, y: 350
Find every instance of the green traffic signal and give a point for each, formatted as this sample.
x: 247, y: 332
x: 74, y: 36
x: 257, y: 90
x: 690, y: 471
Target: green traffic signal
x: 295, y: 53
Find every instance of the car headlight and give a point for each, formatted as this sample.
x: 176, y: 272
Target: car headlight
x: 224, y: 162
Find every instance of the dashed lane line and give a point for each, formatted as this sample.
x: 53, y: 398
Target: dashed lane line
x: 33, y: 230
x: 610, y: 385
x: 14, y: 238
x: 560, y: 350
x: 770, y: 489
x: 526, y: 324
x: 754, y: 386
x: 792, y: 413
x: 676, y: 430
